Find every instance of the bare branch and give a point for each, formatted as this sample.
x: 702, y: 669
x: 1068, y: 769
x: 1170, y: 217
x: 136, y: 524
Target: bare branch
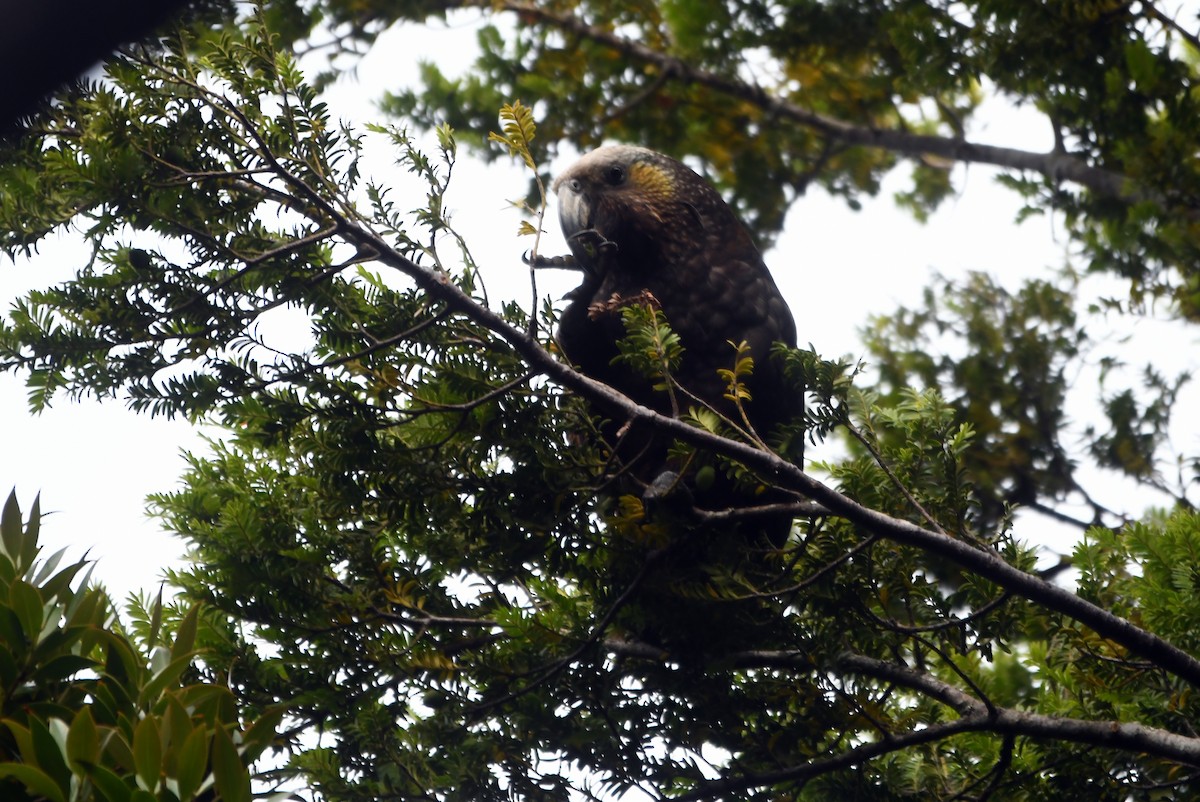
x: 797, y: 509
x: 851, y: 757
x: 1007, y: 721
x: 976, y: 716
x: 1168, y: 22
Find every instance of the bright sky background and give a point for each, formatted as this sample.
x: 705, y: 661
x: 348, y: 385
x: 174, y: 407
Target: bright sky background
x: 94, y: 463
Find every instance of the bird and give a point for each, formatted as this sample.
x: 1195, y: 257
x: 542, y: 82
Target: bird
x: 645, y: 228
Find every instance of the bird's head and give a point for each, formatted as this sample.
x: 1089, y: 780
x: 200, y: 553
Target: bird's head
x: 621, y: 205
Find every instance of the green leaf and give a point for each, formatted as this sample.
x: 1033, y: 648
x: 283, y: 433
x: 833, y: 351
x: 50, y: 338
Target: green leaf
x: 62, y: 580
x: 83, y: 739
x: 36, y: 780
x: 27, y: 604
x: 122, y: 665
x: 12, y: 631
x: 8, y: 666
x: 29, y: 541
x: 147, y: 753
x: 192, y: 762
x: 58, y: 639
x: 10, y: 527
x: 156, y: 617
x: 259, y: 735
x: 213, y: 702
x: 60, y: 668
x: 24, y: 740
x: 47, y: 566
x: 185, y: 635
x: 82, y: 606
x: 49, y: 753
x: 232, y: 779
x: 167, y: 677
x: 118, y: 750
x: 111, y: 787
x: 176, y: 723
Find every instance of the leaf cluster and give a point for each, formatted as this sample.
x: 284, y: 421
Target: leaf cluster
x: 406, y: 538
x: 91, y: 712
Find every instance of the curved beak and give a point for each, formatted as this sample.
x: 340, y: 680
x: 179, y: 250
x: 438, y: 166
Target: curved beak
x: 577, y: 216
x: 574, y: 208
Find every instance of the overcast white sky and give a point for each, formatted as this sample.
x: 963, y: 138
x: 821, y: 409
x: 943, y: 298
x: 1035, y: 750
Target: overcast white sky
x: 94, y: 463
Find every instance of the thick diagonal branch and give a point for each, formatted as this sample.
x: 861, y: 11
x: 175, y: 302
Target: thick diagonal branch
x: 769, y: 465
x: 780, y: 472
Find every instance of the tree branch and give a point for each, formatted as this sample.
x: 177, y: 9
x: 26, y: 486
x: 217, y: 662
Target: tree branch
x: 770, y: 465
x: 1055, y: 165
x: 851, y: 757
x: 1130, y: 737
x: 976, y: 716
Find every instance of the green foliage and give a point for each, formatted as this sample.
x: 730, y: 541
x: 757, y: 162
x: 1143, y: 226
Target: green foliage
x: 519, y: 131
x: 398, y: 540
x: 1002, y: 362
x: 91, y: 712
x: 1137, y: 439
x: 650, y: 347
x: 1112, y: 79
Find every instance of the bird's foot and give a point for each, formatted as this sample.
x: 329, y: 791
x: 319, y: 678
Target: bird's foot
x: 539, y: 262
x: 593, y: 242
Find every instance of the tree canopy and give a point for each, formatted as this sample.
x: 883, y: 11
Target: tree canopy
x: 405, y: 543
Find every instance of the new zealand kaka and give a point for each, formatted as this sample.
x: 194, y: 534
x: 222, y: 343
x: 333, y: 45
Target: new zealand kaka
x: 643, y: 227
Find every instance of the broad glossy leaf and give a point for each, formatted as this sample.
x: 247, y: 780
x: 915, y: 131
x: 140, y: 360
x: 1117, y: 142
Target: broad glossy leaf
x: 61, y: 581
x: 36, y: 780
x: 147, y: 753
x: 26, y: 602
x: 83, y: 739
x: 61, y: 668
x: 111, y: 787
x: 167, y: 677
x: 47, y: 566
x: 232, y: 779
x: 11, y: 531
x: 192, y: 762
x: 176, y: 727
x: 24, y: 739
x: 119, y: 749
x: 50, y: 755
x: 258, y: 736
x: 185, y: 635
x: 8, y: 666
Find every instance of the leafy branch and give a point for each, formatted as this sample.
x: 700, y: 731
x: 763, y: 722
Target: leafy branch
x: 519, y: 132
x: 1055, y: 165
x: 781, y: 472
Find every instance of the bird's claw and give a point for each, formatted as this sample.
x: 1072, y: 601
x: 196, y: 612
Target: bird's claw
x: 539, y: 262
x: 595, y: 242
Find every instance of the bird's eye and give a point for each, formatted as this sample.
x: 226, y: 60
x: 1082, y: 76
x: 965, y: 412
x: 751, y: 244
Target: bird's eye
x: 614, y: 175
